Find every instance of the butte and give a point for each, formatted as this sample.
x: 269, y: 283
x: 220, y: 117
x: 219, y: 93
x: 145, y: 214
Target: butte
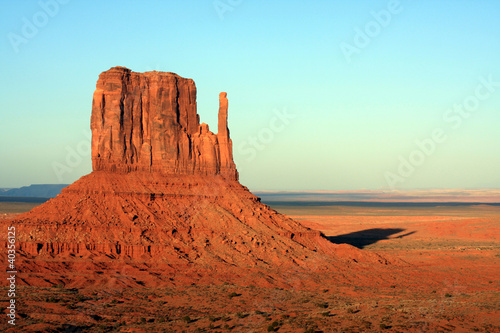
x: 163, y: 205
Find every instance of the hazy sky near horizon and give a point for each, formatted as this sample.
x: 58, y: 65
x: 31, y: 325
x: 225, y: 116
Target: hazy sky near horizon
x: 323, y: 95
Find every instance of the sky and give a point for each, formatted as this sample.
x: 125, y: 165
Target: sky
x: 323, y: 95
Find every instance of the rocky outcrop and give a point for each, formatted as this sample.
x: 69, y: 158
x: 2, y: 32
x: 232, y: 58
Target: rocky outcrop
x: 163, y: 201
x: 149, y: 122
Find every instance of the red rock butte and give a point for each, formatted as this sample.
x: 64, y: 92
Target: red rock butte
x: 163, y: 204
x: 148, y: 122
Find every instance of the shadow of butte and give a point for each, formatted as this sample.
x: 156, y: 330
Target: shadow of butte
x: 363, y: 238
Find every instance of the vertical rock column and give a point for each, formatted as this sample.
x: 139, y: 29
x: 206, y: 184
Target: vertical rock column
x: 226, y: 167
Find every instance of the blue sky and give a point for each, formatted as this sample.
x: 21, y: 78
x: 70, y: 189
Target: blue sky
x: 323, y: 95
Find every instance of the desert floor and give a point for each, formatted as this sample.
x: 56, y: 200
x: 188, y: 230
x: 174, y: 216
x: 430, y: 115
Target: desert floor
x: 456, y: 246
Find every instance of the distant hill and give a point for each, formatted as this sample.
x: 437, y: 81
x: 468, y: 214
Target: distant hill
x: 38, y: 190
x: 389, y: 196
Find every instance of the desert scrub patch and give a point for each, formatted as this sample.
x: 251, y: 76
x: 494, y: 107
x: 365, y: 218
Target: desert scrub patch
x: 384, y: 326
x: 53, y: 299
x: 263, y: 314
x: 81, y: 298
x: 234, y: 294
x: 273, y: 327
x: 310, y: 329
x: 212, y: 318
x: 322, y: 305
x: 241, y: 315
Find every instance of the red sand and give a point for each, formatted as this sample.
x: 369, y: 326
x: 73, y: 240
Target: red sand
x: 442, y: 276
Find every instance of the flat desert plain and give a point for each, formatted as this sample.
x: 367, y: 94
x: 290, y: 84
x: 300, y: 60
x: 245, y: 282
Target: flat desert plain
x: 451, y: 252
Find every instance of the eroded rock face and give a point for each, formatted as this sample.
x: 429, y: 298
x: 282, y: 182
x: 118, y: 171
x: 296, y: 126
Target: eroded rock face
x: 148, y: 122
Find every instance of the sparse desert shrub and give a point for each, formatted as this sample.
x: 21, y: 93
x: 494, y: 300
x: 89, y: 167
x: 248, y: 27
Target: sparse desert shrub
x: 187, y: 319
x: 52, y: 299
x: 263, y: 314
x: 241, y: 315
x: 213, y: 318
x: 322, y: 305
x: 233, y: 294
x: 273, y: 327
x: 447, y: 295
x: 81, y: 298
x: 383, y: 326
x: 325, y: 314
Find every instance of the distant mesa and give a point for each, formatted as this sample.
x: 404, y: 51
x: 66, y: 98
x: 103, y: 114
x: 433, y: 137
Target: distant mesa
x: 35, y: 191
x: 163, y: 204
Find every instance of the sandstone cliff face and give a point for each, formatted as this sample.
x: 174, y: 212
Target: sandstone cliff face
x: 148, y: 122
